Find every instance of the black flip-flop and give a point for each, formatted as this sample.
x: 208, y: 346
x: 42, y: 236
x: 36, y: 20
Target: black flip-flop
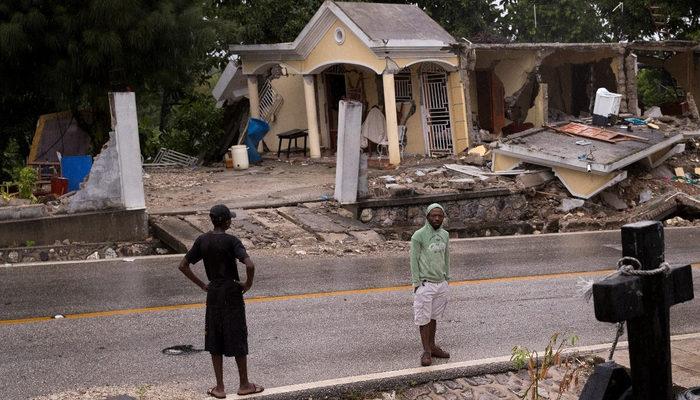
x: 258, y: 389
x: 211, y: 393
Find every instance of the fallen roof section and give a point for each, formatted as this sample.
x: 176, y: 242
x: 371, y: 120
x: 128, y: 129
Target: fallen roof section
x: 585, y: 166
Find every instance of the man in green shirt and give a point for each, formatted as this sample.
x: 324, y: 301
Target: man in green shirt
x: 430, y: 271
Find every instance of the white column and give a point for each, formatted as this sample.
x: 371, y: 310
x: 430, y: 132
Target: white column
x: 312, y: 120
x: 126, y: 135
x: 253, y: 95
x: 392, y: 128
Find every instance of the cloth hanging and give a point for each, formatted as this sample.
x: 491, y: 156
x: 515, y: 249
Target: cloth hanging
x: 374, y: 127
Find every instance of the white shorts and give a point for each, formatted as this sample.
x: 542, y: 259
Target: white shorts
x: 429, y: 302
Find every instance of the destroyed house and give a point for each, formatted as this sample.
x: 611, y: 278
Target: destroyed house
x: 442, y: 92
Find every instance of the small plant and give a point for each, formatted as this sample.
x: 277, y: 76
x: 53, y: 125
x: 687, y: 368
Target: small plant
x: 26, y: 182
x: 522, y: 356
x: 30, y: 243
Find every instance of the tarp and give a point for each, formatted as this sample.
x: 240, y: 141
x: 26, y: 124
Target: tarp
x: 374, y: 127
x: 58, y: 132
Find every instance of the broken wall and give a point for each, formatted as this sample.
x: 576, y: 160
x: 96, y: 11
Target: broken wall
x: 102, y: 189
x: 292, y: 113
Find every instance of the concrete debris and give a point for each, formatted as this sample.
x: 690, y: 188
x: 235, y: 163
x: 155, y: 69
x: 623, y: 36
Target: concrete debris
x: 613, y: 200
x: 534, y: 179
x: 653, y: 112
x: 662, y: 171
x: 677, y: 221
x: 366, y: 215
x: 569, y: 204
x: 645, y: 196
x: 388, y: 178
x: 462, y: 183
x: 479, y: 150
x: 13, y: 257
x: 93, y: 256
x: 345, y: 213
x: 396, y: 190
x: 110, y: 253
x: 161, y: 251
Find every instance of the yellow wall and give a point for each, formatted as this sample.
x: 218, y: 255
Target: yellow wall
x: 415, y: 141
x: 292, y: 114
x: 537, y: 115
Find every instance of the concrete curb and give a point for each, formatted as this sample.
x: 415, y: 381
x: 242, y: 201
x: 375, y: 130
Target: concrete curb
x: 102, y: 260
x: 392, y: 380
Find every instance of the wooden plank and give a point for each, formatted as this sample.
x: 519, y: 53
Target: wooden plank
x: 679, y: 171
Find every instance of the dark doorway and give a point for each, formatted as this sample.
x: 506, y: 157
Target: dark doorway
x: 490, y: 99
x: 580, y: 98
x: 335, y: 91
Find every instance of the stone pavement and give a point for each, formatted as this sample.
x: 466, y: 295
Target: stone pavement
x: 685, y: 355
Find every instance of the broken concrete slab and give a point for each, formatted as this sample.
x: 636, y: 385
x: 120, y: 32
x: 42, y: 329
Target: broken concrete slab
x: 534, y: 179
x: 315, y: 222
x: 584, y: 170
x: 177, y: 233
x: 367, y: 236
x: 330, y: 237
x: 613, y: 200
x: 569, y: 204
x: 22, y: 212
x: 398, y: 190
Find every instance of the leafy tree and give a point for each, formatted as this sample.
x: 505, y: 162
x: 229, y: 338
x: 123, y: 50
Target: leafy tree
x: 57, y: 55
x: 633, y: 20
x: 551, y: 21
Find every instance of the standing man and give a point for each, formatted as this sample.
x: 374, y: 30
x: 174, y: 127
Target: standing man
x: 430, y: 270
x: 226, y: 333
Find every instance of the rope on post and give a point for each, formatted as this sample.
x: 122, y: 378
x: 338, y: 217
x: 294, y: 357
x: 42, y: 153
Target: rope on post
x: 628, y: 266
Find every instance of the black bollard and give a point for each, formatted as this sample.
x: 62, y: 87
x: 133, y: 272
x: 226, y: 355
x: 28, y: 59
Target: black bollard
x: 644, y: 301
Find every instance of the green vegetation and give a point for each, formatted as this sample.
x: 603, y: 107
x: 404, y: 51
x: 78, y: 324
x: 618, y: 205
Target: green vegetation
x: 57, y: 55
x: 553, y: 357
x: 655, y: 87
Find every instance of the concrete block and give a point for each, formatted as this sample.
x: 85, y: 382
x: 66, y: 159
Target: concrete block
x: 461, y: 183
x: 330, y: 237
x: 348, y: 155
x: 534, y: 179
x: 33, y: 211
x: 397, y: 190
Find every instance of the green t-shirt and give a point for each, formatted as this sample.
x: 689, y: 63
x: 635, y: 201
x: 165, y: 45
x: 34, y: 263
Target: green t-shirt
x: 430, y: 255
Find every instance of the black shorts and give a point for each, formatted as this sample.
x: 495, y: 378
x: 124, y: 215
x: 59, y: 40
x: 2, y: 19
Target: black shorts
x: 225, y: 327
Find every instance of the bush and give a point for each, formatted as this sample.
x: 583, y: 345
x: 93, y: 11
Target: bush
x: 196, y: 127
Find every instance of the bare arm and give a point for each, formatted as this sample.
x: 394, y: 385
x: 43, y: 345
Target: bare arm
x: 249, y: 273
x: 185, y: 269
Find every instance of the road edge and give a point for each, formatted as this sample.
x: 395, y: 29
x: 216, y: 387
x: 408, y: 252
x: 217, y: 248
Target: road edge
x: 391, y: 380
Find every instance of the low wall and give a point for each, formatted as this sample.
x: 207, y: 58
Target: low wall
x: 104, y: 226
x: 481, y: 213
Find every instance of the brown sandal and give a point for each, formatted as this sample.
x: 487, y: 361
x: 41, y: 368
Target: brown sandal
x: 426, y: 359
x: 439, y: 353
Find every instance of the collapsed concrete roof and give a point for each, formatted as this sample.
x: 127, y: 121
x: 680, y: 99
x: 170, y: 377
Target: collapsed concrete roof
x: 585, y: 166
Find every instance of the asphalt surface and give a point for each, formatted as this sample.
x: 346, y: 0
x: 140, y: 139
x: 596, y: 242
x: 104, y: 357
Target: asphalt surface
x: 304, y: 338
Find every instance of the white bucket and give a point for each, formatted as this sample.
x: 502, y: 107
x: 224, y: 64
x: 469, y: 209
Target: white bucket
x: 240, y: 156
x: 606, y: 103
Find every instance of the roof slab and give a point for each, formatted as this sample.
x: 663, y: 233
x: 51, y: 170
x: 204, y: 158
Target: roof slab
x: 544, y: 146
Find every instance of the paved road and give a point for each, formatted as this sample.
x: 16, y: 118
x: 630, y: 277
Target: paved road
x: 307, y: 337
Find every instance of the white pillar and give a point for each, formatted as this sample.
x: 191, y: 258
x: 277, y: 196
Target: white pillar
x: 253, y: 95
x: 312, y: 120
x: 126, y: 135
x: 392, y: 128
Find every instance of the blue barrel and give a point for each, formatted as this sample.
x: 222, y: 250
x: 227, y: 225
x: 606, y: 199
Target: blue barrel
x: 257, y: 128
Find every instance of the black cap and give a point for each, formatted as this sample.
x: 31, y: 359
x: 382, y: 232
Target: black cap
x: 221, y: 213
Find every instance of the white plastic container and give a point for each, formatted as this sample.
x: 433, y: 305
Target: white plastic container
x: 606, y: 103
x: 240, y: 156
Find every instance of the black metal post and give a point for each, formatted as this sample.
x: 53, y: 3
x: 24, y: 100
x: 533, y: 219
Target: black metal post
x: 649, y: 333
